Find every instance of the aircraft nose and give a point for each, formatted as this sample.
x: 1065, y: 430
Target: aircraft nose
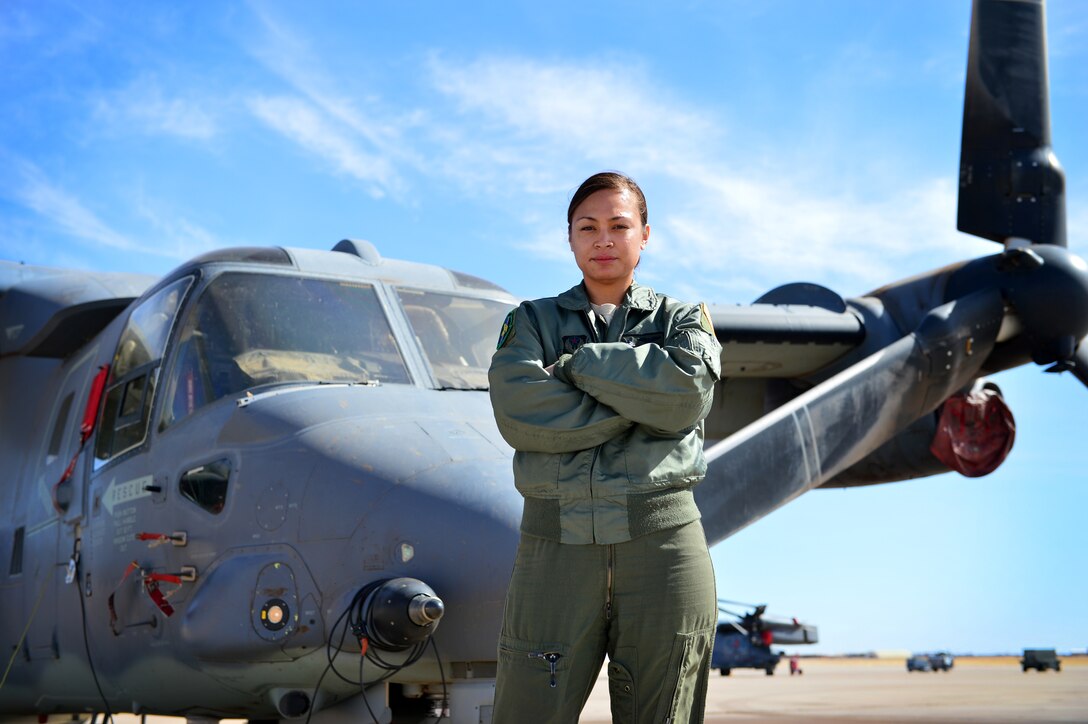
x: 455, y: 527
x: 381, y: 483
x: 433, y: 501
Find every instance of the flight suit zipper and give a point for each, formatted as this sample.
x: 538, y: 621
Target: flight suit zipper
x: 602, y: 336
x: 611, y: 555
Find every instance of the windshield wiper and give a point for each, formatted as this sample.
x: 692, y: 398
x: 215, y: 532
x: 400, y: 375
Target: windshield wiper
x: 281, y: 388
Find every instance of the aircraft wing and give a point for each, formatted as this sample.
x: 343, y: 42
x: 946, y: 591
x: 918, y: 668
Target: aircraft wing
x: 782, y: 340
x: 853, y: 393
x: 46, y: 312
x: 810, y: 438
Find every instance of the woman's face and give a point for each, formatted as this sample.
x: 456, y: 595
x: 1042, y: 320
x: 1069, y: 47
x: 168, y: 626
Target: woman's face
x: 607, y: 237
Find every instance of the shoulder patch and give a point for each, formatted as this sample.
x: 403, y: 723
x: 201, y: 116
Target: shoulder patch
x: 704, y: 319
x: 506, y: 334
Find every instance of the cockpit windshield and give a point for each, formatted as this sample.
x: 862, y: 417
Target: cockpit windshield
x: 248, y: 330
x: 456, y: 333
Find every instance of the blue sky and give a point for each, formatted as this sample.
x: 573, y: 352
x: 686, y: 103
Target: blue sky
x: 776, y: 141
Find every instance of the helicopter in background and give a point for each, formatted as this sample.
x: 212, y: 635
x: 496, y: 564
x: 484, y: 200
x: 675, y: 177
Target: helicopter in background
x: 272, y: 477
x: 743, y: 640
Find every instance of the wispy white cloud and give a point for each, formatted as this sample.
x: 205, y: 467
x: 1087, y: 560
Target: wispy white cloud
x: 17, y: 25
x: 514, y: 134
x: 549, y: 242
x: 307, y: 126
x: 756, y: 232
x: 539, y: 122
x: 505, y: 127
x: 611, y: 107
x: 144, y: 107
x: 27, y: 186
x: 177, y: 236
x: 33, y: 40
x: 525, y: 126
x: 362, y: 142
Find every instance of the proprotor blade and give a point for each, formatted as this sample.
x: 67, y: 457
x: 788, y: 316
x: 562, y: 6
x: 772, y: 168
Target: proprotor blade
x: 1011, y: 185
x: 809, y: 440
x: 1080, y: 362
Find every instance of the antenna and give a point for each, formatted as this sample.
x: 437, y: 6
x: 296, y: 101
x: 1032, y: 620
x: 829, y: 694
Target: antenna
x: 362, y: 249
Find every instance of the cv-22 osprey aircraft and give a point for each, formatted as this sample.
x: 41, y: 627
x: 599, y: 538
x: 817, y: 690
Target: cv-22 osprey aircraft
x: 269, y: 485
x: 743, y: 640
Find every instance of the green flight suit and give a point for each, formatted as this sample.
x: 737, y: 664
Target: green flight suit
x: 612, y: 558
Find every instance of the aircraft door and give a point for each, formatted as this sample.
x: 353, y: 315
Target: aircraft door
x: 123, y: 487
x: 54, y: 507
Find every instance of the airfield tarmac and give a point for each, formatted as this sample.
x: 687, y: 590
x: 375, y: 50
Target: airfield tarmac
x: 990, y: 689
x: 867, y: 691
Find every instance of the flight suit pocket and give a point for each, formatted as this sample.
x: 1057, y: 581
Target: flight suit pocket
x: 703, y: 345
x: 537, y: 474
x: 690, y: 660
x: 622, y: 693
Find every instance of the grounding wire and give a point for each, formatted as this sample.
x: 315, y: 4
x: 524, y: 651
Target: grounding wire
x: 441, y: 673
x: 76, y: 545
x: 360, y: 624
x: 362, y: 660
x: 328, y: 653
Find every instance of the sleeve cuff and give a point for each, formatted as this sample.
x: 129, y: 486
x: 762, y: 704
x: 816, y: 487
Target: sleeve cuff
x: 560, y: 369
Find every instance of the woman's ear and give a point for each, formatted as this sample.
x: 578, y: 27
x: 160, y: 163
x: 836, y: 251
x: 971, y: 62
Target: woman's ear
x: 645, y: 236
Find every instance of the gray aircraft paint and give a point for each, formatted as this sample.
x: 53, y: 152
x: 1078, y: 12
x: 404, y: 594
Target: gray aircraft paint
x: 334, y: 486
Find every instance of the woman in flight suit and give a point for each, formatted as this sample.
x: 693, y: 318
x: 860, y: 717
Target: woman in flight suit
x: 602, y: 391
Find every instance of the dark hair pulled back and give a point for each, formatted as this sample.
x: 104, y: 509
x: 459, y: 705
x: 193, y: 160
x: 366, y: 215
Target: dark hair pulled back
x: 606, y: 180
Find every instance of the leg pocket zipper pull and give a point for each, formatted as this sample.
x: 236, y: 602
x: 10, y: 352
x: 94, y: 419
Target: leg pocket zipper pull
x: 552, y: 657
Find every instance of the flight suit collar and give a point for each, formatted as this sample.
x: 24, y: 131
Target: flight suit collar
x: 636, y: 297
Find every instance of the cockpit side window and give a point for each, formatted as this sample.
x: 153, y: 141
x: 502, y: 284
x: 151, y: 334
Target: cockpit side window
x: 247, y: 330
x: 135, y: 369
x: 457, y: 334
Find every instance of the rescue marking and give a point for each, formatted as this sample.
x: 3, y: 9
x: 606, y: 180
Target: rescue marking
x: 126, y: 492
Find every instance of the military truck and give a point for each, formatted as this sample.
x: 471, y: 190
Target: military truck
x: 1040, y: 660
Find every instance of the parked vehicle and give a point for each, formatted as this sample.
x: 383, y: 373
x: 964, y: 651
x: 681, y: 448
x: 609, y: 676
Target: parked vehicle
x: 1040, y: 660
x: 941, y: 661
x: 919, y: 662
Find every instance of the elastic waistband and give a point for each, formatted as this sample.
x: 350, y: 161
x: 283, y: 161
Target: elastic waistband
x: 646, y: 513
